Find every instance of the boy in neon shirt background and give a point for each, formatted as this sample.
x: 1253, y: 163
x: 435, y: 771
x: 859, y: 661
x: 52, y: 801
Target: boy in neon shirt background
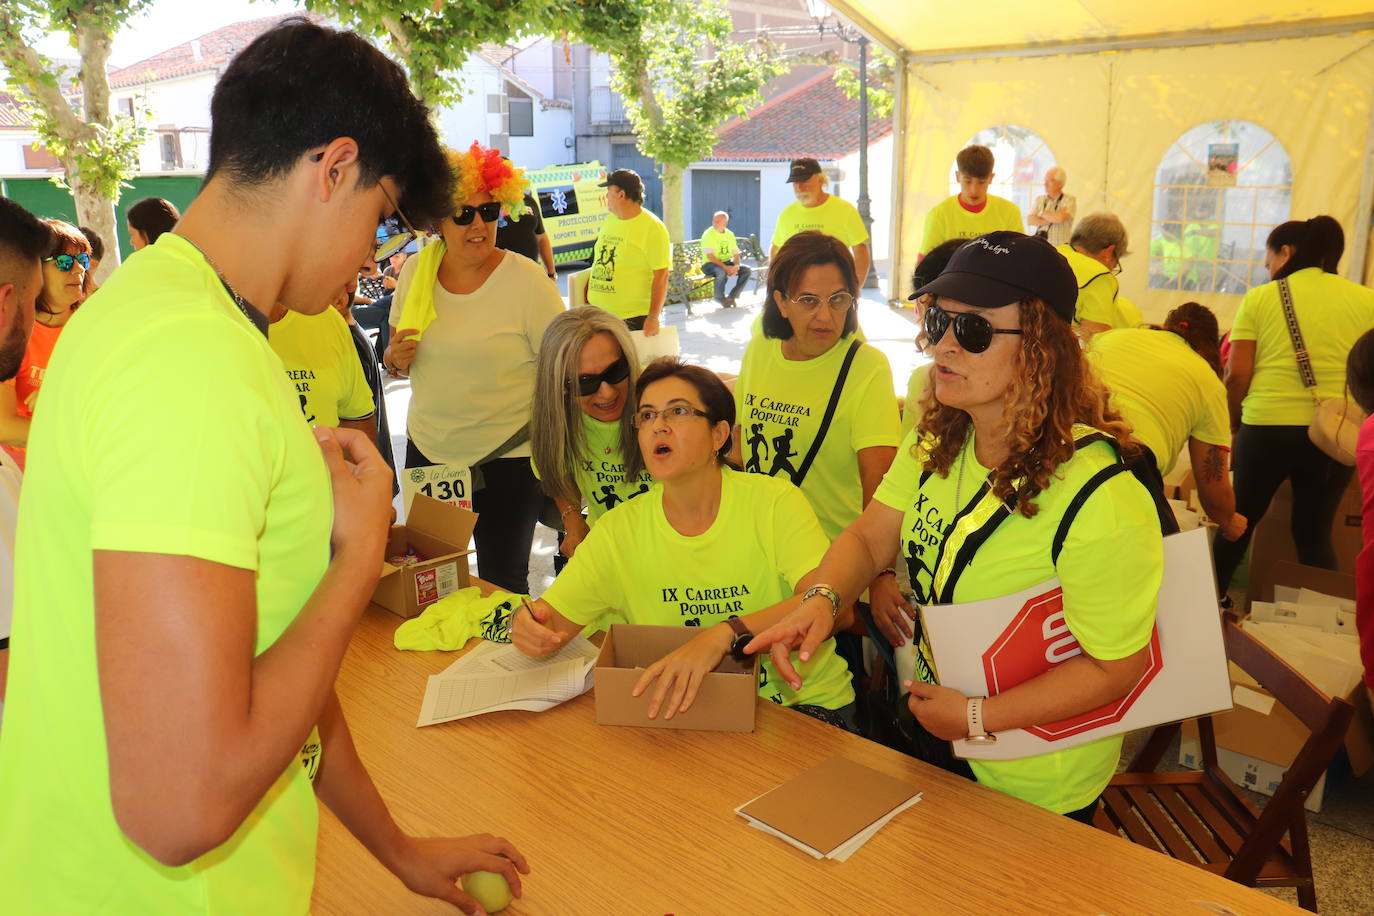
x: 973, y: 211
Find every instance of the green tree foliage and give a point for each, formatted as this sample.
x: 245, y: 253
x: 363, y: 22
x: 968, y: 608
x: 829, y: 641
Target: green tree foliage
x: 681, y: 78
x: 97, y: 148
x: 882, y: 73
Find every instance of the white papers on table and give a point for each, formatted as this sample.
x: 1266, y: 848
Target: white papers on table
x: 844, y: 850
x: 496, y: 676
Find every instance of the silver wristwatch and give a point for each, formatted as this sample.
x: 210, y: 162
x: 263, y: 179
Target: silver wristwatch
x: 828, y: 592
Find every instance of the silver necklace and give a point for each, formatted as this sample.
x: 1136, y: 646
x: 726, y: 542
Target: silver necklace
x: 249, y: 310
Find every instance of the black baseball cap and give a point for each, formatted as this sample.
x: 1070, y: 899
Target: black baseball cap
x: 803, y: 169
x: 624, y: 179
x: 1000, y: 268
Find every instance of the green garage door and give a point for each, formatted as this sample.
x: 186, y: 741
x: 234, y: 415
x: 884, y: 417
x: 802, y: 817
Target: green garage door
x: 43, y: 198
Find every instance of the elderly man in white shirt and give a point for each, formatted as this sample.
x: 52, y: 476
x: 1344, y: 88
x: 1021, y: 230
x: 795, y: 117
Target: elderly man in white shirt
x: 1052, y: 214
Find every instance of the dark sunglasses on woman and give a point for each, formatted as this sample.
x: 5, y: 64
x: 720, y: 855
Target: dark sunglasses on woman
x: 490, y: 213
x: 64, y: 262
x: 614, y: 374
x: 972, y: 331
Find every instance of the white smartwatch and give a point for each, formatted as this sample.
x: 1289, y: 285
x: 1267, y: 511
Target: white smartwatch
x: 977, y: 734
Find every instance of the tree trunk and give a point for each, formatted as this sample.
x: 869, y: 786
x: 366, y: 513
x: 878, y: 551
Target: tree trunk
x: 672, y: 201
x: 95, y: 211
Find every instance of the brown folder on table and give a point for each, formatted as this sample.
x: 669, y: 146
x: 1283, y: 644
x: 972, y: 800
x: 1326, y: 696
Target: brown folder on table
x: 829, y: 803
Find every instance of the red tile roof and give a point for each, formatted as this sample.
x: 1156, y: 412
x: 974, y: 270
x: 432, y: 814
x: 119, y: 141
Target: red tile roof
x: 812, y: 119
x: 11, y: 115
x: 217, y: 48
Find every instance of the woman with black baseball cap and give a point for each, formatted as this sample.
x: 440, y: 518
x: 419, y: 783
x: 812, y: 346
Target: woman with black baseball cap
x: 1012, y: 476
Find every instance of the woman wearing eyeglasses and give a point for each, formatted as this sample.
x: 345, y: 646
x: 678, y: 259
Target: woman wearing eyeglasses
x: 807, y: 358
x: 466, y: 322
x: 64, y: 273
x: 581, y: 427
x: 1017, y: 443
x: 710, y: 548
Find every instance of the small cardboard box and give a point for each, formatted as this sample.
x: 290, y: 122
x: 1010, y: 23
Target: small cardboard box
x: 1251, y: 772
x: 725, y: 703
x: 1273, y: 541
x: 440, y: 533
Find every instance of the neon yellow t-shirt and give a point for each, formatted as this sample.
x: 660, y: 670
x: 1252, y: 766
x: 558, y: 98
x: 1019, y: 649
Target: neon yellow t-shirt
x: 1332, y: 313
x: 1110, y: 569
x: 1163, y: 389
x: 168, y: 426
x: 779, y: 404
x: 764, y: 540
x: 322, y: 364
x: 834, y: 217
x: 627, y: 253
x: 1097, y: 288
x: 1129, y: 313
x: 600, y: 472
x: 723, y: 243
x: 949, y: 220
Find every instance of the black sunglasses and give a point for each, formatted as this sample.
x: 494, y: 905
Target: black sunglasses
x: 490, y: 213
x: 972, y: 331
x: 614, y: 374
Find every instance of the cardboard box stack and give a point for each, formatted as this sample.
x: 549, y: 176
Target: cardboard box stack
x: 435, y: 537
x: 1273, y: 540
x: 1307, y: 619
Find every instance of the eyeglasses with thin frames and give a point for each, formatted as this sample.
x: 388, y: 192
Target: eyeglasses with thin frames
x: 674, y: 414
x: 394, y: 243
x: 839, y: 302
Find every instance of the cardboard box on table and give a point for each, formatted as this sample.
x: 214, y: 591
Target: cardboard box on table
x: 1259, y: 738
x: 440, y: 533
x: 984, y: 648
x: 725, y: 702
x: 1273, y: 540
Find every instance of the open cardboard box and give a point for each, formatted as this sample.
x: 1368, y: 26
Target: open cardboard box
x: 1258, y: 739
x: 1273, y: 543
x: 725, y: 703
x: 440, y: 533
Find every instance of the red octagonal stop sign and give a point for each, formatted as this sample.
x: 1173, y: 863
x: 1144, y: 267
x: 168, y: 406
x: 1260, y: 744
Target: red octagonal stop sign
x: 1036, y: 640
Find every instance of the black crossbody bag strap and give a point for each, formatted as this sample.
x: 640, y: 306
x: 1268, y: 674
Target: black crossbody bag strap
x: 815, y: 449
x: 1290, y: 318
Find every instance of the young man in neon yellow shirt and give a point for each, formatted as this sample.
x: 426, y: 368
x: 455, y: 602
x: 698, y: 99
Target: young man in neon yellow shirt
x: 632, y: 255
x: 1094, y: 252
x: 815, y: 209
x: 973, y: 211
x: 192, y: 557
x: 720, y: 257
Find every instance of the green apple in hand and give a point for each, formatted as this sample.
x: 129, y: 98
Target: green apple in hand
x: 489, y: 888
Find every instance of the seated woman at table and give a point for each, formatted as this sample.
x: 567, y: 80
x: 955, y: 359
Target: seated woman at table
x: 709, y: 548
x: 581, y: 427
x: 1017, y: 445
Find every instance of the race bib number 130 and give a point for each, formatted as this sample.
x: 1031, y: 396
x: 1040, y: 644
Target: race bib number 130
x: 448, y: 483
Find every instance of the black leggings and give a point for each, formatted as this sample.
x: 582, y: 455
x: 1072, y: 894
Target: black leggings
x: 1266, y: 456
x: 508, y: 505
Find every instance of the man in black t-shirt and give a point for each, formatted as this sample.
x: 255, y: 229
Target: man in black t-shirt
x: 526, y: 235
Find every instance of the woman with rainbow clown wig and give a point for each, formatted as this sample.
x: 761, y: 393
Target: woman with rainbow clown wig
x: 466, y: 322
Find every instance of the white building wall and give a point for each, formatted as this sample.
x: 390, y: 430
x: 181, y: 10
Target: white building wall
x: 774, y: 196
x: 12, y: 143
x: 183, y: 103
x: 879, y: 191
x: 552, y: 141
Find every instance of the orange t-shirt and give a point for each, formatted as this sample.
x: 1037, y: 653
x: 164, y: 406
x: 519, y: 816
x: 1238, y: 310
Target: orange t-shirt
x: 35, y: 363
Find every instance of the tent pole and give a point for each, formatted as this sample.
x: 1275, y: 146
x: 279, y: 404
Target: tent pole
x: 896, y: 264
x: 1364, y: 207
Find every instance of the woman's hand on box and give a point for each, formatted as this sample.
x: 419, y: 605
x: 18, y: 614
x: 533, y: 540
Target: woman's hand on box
x: 682, y: 671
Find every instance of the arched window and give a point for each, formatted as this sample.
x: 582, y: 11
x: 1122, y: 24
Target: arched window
x: 1219, y: 190
x: 1021, y: 159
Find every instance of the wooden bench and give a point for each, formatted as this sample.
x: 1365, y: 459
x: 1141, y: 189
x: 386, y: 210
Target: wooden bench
x: 686, y: 282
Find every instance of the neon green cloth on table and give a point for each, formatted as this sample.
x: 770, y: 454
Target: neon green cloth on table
x: 201, y: 452
x: 1097, y: 288
x: 1110, y: 569
x: 1163, y: 389
x: 765, y: 538
x: 949, y: 219
x: 723, y: 243
x: 455, y: 618
x: 322, y: 364
x: 1332, y: 312
x: 779, y: 404
x: 627, y: 253
x: 834, y: 217
x: 418, y: 310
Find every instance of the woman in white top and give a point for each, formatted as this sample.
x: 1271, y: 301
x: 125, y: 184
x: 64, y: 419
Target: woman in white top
x: 1271, y: 408
x: 466, y: 322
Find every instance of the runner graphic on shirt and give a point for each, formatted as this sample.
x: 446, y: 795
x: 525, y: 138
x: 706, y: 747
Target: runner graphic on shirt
x: 305, y: 409
x: 643, y: 488
x: 611, y: 499
x: 758, y: 449
x: 782, y: 450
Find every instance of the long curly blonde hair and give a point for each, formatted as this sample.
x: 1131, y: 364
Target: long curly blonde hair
x: 478, y: 169
x: 1053, y: 388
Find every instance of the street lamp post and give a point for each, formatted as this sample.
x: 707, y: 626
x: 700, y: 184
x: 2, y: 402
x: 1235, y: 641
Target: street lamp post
x: 820, y: 12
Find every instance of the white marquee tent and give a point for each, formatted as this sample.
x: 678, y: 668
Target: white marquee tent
x: 1141, y: 103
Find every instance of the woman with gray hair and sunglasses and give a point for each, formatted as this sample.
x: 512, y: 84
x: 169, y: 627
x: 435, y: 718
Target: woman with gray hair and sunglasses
x: 581, y: 426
